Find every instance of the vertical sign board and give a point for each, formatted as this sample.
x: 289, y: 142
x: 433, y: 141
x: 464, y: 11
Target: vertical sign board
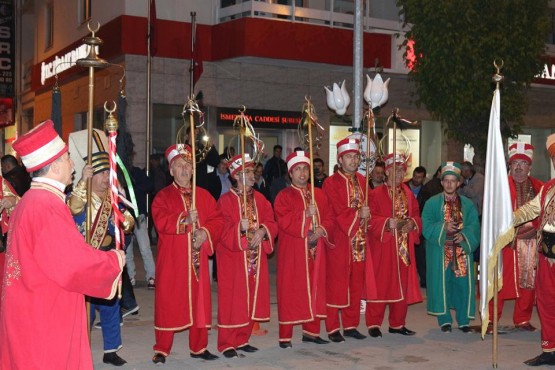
x: 7, y: 62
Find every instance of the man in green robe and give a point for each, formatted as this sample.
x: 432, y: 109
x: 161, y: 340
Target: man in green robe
x: 451, y: 226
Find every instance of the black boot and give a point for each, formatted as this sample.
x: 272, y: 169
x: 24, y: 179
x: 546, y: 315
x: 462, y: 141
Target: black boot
x: 114, y: 359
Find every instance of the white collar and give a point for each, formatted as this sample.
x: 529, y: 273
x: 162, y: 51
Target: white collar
x: 46, y: 180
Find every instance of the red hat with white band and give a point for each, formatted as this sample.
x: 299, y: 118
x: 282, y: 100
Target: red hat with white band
x: 521, y: 151
x: 40, y: 146
x: 348, y: 145
x: 236, y: 163
x: 179, y: 150
x: 399, y: 159
x: 296, y: 158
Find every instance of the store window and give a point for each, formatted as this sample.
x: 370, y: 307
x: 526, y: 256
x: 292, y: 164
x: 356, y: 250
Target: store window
x: 80, y: 119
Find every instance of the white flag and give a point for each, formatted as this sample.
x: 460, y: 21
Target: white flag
x: 497, y: 212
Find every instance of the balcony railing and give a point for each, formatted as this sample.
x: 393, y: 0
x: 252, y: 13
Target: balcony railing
x: 339, y: 19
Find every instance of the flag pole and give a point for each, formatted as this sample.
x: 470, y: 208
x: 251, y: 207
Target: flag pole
x: 497, y: 78
x: 148, y: 140
x: 148, y: 136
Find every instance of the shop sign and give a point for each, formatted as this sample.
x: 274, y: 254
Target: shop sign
x: 547, y: 76
x: 62, y: 63
x: 260, y: 118
x: 7, y: 50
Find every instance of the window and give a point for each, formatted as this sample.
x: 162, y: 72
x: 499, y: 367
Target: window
x: 49, y: 26
x: 84, y: 9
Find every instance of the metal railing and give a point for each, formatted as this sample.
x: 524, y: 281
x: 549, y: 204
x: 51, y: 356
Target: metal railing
x: 292, y: 13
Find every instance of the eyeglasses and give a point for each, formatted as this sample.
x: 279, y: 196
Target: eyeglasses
x: 520, y: 164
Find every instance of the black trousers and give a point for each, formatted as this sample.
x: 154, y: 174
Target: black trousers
x: 420, y: 255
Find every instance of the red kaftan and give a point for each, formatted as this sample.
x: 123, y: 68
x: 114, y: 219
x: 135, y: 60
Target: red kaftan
x: 175, y: 307
x: 340, y: 258
x: 301, y: 296
x: 510, y: 264
x: 49, y: 268
x: 234, y: 296
x: 387, y: 262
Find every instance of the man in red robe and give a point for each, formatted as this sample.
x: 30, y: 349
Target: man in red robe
x: 49, y: 267
x: 186, y: 233
x: 394, y: 231
x: 243, y: 280
x: 349, y: 264
x: 542, y: 207
x: 520, y: 258
x: 301, y: 265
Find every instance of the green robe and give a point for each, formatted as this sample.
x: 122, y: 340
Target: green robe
x: 433, y: 229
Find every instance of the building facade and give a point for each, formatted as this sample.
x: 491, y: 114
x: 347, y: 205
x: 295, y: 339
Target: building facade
x: 266, y: 55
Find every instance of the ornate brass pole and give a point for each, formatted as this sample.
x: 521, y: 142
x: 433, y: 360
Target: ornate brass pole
x: 394, y: 179
x: 192, y: 142
x: 91, y: 62
x: 394, y: 166
x: 309, y: 123
x: 369, y: 138
x: 242, y: 133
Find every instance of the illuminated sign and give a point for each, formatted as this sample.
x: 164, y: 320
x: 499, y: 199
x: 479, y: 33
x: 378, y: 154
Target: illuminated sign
x: 7, y: 50
x: 548, y: 72
x: 411, y: 57
x: 260, y: 118
x: 60, y: 64
x: 547, y: 75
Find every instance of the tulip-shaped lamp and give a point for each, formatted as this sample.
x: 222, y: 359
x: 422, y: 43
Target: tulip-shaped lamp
x: 338, y: 98
x: 376, y: 92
